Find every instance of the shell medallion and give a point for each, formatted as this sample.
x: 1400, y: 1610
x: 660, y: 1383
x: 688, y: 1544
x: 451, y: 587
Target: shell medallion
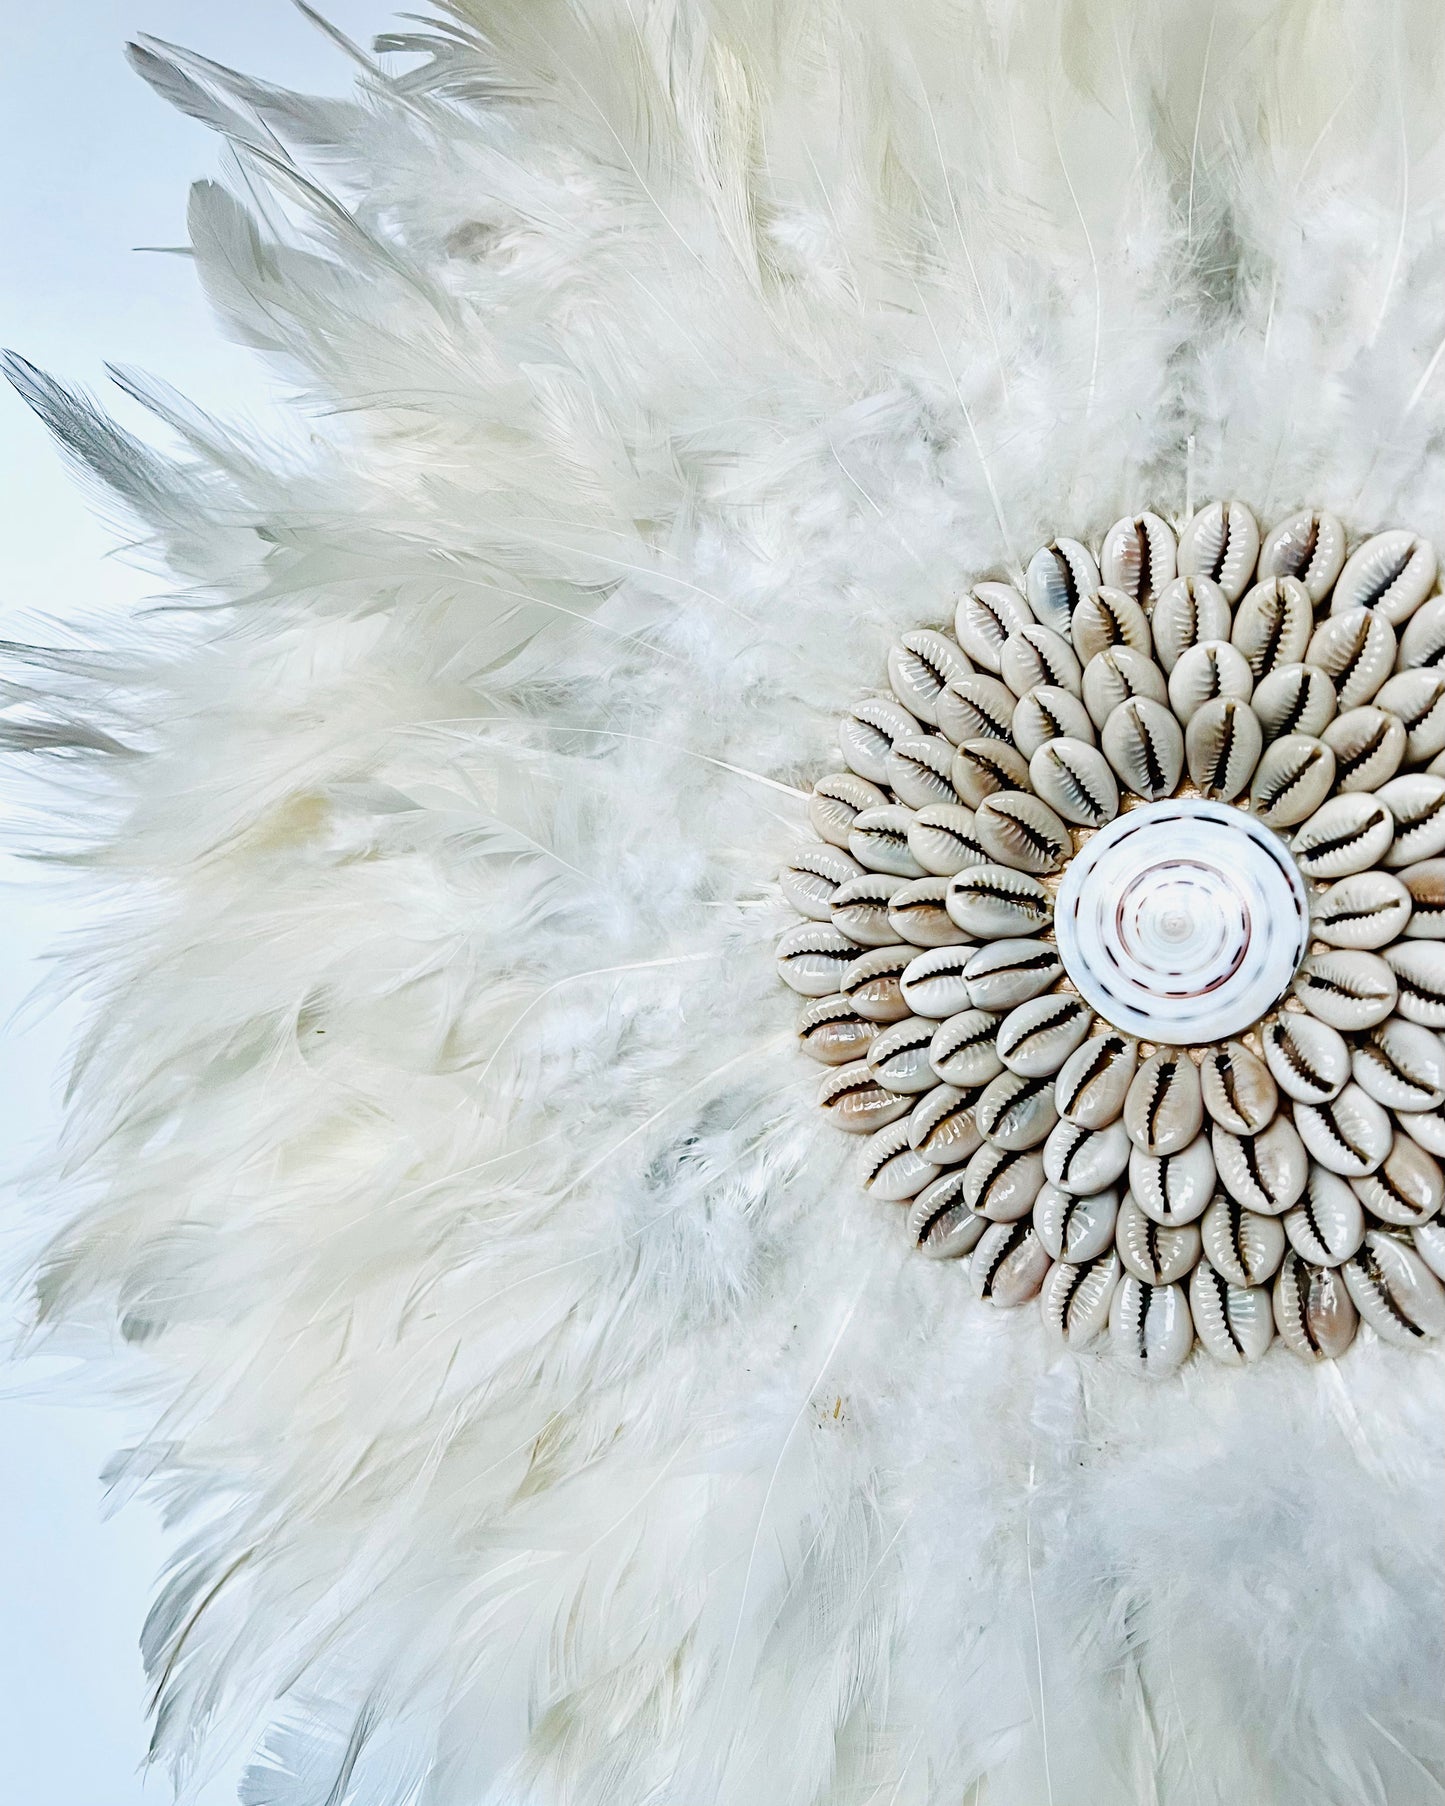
x: 1119, y: 941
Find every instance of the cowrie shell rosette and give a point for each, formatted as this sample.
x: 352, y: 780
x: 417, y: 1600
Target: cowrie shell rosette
x: 1121, y: 945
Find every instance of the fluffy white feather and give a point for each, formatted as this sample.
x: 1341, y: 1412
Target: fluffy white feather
x: 542, y: 1417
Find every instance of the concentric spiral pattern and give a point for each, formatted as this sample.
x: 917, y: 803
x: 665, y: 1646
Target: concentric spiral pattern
x: 1182, y: 921
x: 1123, y: 939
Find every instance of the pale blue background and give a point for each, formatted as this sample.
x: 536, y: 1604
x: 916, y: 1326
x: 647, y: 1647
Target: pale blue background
x: 91, y: 165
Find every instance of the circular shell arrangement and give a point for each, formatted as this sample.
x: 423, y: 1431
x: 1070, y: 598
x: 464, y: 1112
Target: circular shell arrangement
x: 1122, y: 942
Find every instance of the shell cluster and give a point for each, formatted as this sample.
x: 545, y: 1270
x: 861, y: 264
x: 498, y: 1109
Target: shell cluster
x: 1281, y: 1178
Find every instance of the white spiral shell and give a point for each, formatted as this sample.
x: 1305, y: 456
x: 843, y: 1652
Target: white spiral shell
x: 1182, y: 921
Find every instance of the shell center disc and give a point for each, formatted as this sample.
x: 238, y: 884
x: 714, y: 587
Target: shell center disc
x: 1182, y: 921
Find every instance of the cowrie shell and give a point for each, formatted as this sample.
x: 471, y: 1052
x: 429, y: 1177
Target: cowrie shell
x: 1422, y: 644
x: 860, y: 909
x: 889, y: 1169
x: 1426, y: 885
x: 1139, y: 557
x: 1313, y: 1310
x: 1273, y: 625
x: 1085, y: 1160
x: 1294, y: 699
x: 1075, y: 1300
x: 1394, y: 1291
x: 1114, y: 675
x: 1293, y: 778
x: 1406, y: 1188
x: 1419, y: 972
x: 918, y: 769
x: 899, y: 1056
x: 812, y: 875
x: 1222, y: 747
x: 1049, y: 713
x: 1428, y: 1241
x: 1173, y: 1188
x: 1356, y: 650
x: 995, y: 901
x: 854, y: 1100
x: 1235, y: 1324
x: 942, y: 1128
x: 1145, y: 745
x: 940, y: 840
x: 1238, y: 1089
x: 1418, y: 698
x: 1075, y: 1228
x: 1368, y: 744
x: 1037, y: 1037
x: 1401, y: 1065
x: 917, y: 913
x: 1016, y: 1112
x: 831, y: 1031
x: 1009, y: 972
x: 1328, y: 1223
x: 1308, y: 545
x: 1188, y: 610
x: 1346, y: 989
x: 1094, y: 1080
x: 981, y: 768
x: 934, y: 983
x: 1349, y: 1135
x: 1367, y: 909
x: 1391, y: 574
x: 1221, y: 543
x: 1417, y: 802
x: 919, y: 668
x: 1426, y: 1128
x: 940, y: 1223
x: 1020, y: 830
x: 1060, y: 574
x: 872, y: 983
x: 1213, y: 668
x: 867, y: 734
x: 1108, y: 617
x: 975, y: 707
x: 1074, y: 779
x: 1163, y: 1110
x: 878, y: 840
x: 1346, y: 834
x: 964, y: 1049
x: 1037, y: 655
x: 813, y: 957
x: 1309, y: 1059
x: 1152, y: 1252
x: 1001, y: 1184
x: 838, y: 800
x: 1007, y: 1267
x: 1150, y: 1327
x: 1265, y: 1172
x: 985, y: 618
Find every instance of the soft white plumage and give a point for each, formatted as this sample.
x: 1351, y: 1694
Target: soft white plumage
x: 543, y: 1417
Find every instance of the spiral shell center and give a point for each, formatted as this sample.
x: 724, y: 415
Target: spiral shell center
x: 1182, y: 921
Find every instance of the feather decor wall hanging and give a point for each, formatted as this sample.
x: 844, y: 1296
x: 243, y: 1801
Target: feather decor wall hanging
x: 889, y: 547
